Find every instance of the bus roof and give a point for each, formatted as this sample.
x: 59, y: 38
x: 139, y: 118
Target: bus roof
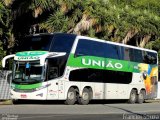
x: 95, y: 39
x: 120, y: 44
x: 39, y: 34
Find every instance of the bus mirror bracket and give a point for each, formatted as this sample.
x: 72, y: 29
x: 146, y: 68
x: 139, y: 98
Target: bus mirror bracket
x: 78, y: 54
x: 51, y: 55
x: 56, y: 54
x: 5, y: 58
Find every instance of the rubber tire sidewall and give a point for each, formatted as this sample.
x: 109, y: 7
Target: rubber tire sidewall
x: 133, y: 101
x: 81, y: 100
x: 68, y: 101
x: 140, y: 101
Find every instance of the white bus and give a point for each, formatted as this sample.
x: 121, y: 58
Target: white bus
x: 75, y: 68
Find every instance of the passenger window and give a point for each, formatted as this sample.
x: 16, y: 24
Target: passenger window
x: 52, y: 73
x: 138, y: 56
x: 56, y: 67
x: 83, y: 48
x: 127, y: 53
x: 112, y: 51
x: 89, y: 48
x: 103, y: 76
x: 149, y: 58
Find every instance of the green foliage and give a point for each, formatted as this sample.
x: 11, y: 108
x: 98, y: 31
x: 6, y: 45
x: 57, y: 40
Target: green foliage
x: 2, y: 53
x: 57, y: 22
x: 127, y: 21
x: 4, y: 29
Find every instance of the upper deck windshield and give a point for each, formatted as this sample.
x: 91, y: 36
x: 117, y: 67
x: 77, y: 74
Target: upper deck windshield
x: 58, y: 42
x: 40, y: 42
x: 27, y: 72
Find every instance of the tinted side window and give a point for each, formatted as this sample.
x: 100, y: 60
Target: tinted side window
x: 97, y: 75
x: 112, y: 51
x: 53, y: 69
x: 41, y: 42
x: 89, y: 48
x: 117, y: 77
x: 56, y: 67
x: 62, y: 43
x: 138, y: 56
x: 86, y: 75
x: 149, y: 57
x: 127, y: 53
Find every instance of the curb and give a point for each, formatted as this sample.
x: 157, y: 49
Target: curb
x: 152, y: 101
x: 6, y: 102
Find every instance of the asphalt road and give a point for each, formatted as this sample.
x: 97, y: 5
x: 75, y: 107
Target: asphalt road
x: 101, y: 111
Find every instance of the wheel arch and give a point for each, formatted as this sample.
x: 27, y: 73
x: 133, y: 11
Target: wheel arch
x: 135, y: 90
x: 73, y: 86
x: 129, y: 91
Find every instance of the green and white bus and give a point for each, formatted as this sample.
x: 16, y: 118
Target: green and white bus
x: 59, y: 66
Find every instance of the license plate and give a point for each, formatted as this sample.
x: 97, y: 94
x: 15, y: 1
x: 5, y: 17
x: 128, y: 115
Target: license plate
x: 23, y: 96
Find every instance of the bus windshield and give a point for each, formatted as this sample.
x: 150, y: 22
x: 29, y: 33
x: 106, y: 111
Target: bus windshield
x: 40, y: 42
x: 47, y: 42
x: 27, y: 72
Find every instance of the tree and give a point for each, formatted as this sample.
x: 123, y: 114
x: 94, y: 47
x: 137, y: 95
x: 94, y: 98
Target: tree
x: 130, y: 22
x: 5, y: 30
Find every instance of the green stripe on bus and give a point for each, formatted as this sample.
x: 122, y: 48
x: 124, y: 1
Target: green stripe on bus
x: 27, y: 87
x: 102, y: 63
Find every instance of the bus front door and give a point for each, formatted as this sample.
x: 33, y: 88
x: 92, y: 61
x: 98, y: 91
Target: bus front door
x: 53, y: 93
x: 53, y: 89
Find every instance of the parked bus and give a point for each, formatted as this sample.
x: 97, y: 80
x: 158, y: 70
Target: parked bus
x: 75, y: 68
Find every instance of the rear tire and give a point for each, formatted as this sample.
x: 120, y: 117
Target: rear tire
x: 141, y: 97
x: 133, y: 97
x: 71, y: 96
x: 85, y: 98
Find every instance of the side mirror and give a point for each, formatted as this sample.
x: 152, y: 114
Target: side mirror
x: 5, y: 59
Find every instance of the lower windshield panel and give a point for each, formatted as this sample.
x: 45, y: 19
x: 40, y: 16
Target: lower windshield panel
x: 27, y: 72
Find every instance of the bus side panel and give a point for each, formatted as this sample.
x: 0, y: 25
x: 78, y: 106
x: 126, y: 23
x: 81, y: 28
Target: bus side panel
x: 123, y: 91
x: 53, y: 90
x: 111, y: 91
x: 97, y: 89
x: 150, y: 79
x: 137, y: 83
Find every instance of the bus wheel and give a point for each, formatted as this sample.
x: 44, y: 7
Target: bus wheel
x: 71, y: 97
x: 133, y: 97
x: 85, y: 98
x: 15, y: 101
x: 141, y: 96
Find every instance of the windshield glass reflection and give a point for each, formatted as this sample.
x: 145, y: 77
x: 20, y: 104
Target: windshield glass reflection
x: 28, y: 72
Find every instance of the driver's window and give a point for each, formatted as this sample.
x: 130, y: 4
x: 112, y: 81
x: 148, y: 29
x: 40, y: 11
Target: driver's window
x: 52, y: 73
x: 53, y: 69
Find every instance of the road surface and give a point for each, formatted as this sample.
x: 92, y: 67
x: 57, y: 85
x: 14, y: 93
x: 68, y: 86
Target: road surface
x: 94, y: 111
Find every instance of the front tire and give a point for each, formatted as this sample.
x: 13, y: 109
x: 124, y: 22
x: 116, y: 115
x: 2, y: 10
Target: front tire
x: 15, y: 101
x: 85, y: 98
x: 133, y: 97
x: 71, y: 97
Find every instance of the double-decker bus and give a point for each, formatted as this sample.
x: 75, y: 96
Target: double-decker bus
x: 59, y: 66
